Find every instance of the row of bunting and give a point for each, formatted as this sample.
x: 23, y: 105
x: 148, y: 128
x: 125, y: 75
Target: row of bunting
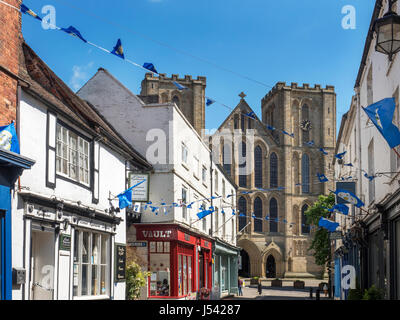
x: 380, y: 113
x: 125, y: 200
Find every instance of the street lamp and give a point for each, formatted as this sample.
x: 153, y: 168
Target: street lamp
x: 388, y: 32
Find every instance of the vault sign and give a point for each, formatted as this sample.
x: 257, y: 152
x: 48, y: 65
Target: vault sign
x: 120, y: 262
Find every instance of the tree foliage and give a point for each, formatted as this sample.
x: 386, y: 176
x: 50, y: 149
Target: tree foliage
x: 320, y: 243
x: 135, y: 280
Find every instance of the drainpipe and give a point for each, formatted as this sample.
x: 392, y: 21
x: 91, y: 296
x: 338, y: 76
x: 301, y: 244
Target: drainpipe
x: 211, y: 200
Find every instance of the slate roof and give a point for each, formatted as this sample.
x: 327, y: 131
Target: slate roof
x: 44, y: 83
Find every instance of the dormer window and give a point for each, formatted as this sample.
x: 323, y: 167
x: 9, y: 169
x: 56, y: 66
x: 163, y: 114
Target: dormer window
x: 72, y: 155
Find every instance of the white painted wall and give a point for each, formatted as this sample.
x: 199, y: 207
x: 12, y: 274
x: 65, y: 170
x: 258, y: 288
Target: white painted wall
x: 385, y: 82
x: 33, y: 120
x: 136, y: 122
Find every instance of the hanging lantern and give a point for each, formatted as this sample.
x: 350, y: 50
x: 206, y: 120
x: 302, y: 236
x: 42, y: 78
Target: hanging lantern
x: 388, y: 32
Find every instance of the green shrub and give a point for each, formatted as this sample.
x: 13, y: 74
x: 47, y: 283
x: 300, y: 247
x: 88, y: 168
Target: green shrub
x: 355, y: 294
x: 373, y: 293
x: 135, y: 279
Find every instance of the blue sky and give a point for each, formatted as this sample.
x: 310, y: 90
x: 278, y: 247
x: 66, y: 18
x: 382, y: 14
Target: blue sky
x: 266, y: 40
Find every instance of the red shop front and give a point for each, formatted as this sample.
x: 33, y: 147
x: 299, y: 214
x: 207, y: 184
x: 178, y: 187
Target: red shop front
x: 179, y: 260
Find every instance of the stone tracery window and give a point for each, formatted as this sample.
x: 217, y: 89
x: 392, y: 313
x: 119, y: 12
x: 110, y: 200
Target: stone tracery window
x: 273, y: 167
x: 258, y: 208
x: 258, y: 164
x: 273, y: 215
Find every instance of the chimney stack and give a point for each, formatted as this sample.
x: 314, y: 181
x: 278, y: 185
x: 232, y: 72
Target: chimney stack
x: 10, y: 43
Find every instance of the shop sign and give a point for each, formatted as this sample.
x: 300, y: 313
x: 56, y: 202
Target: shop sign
x: 157, y: 234
x: 120, y: 261
x: 141, y: 192
x: 65, y: 242
x: 138, y: 244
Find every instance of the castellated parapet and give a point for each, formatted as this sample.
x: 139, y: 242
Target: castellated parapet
x: 161, y: 89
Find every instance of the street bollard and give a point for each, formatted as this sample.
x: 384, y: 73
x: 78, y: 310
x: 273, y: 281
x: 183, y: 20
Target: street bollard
x: 317, y: 294
x: 311, y: 292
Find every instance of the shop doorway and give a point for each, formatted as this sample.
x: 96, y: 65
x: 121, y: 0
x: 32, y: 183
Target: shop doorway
x: 244, y: 271
x: 42, y: 263
x: 201, y: 271
x: 270, y: 267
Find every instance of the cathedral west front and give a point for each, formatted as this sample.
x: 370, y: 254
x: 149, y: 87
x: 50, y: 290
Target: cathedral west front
x: 280, y: 181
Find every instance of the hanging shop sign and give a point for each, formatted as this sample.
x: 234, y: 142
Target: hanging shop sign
x: 141, y: 192
x: 65, y: 242
x: 120, y: 262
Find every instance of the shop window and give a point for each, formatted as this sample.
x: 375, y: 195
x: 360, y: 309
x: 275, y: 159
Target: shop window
x: 91, y: 264
x: 72, y: 155
x: 160, y: 269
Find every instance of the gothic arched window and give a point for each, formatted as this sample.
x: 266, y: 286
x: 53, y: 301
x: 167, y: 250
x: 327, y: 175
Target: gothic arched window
x: 305, y: 115
x: 305, y: 173
x: 258, y: 208
x: 242, y: 209
x: 273, y: 168
x: 242, y: 168
x: 305, y: 227
x: 236, y: 121
x: 258, y: 164
x: 273, y: 215
x: 226, y: 158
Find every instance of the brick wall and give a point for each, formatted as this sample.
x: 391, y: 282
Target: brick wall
x: 10, y: 39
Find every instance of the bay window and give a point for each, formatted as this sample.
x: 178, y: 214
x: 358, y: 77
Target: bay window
x: 91, y: 270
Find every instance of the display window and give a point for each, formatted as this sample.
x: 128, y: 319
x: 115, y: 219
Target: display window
x: 160, y: 269
x: 92, y: 263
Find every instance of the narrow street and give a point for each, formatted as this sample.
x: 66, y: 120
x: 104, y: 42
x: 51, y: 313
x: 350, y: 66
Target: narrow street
x: 286, y: 292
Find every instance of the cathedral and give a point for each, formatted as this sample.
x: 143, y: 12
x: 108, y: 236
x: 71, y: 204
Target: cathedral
x: 281, y: 180
x: 274, y: 161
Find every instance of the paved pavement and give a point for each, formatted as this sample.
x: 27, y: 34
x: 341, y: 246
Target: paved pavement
x: 286, y: 292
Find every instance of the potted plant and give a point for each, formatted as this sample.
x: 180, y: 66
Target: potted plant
x: 298, y: 284
x: 276, y: 283
x: 254, y: 281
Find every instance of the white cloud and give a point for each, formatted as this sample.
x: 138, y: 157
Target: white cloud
x: 80, y: 75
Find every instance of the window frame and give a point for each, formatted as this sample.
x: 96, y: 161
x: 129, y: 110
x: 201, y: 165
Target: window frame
x: 107, y: 264
x: 90, y: 157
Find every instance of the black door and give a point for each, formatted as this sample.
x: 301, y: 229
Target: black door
x: 271, y: 267
x: 245, y: 270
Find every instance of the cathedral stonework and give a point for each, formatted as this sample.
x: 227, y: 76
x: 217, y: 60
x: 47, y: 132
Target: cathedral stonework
x: 273, y: 232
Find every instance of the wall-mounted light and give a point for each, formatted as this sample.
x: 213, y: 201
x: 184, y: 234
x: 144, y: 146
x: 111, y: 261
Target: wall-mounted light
x: 388, y: 32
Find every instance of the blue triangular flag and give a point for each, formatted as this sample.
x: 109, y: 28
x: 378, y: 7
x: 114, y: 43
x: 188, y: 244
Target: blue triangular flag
x: 349, y: 197
x: 323, y: 151
x: 26, y: 10
x: 179, y: 86
x: 340, y: 208
x: 340, y: 155
x: 381, y: 114
x: 251, y: 115
x: 118, y: 50
x: 270, y: 128
x: 9, y: 138
x: 209, y: 101
x: 149, y: 66
x: 73, y: 32
x: 322, y: 178
x: 288, y: 134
